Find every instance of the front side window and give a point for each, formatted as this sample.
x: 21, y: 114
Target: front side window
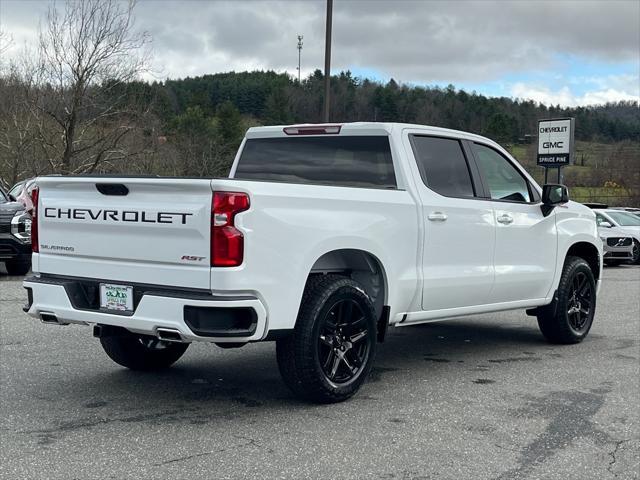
x: 348, y: 161
x: 505, y: 182
x: 443, y: 166
x: 600, y: 219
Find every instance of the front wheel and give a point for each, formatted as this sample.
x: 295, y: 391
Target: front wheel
x: 18, y: 267
x: 635, y: 253
x: 142, y: 352
x: 332, y: 348
x: 569, y: 318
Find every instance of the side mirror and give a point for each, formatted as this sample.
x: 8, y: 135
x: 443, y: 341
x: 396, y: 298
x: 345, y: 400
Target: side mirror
x: 553, y: 195
x: 12, y: 198
x: 605, y: 225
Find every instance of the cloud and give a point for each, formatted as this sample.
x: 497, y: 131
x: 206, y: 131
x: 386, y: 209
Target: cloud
x: 565, y: 97
x: 421, y: 42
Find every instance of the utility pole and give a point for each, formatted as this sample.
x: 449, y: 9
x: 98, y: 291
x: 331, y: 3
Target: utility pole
x: 327, y: 61
x: 300, y: 37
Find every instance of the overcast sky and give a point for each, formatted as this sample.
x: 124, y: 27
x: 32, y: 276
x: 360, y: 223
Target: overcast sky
x: 572, y: 52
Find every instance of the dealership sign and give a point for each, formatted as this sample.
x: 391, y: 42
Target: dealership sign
x: 555, y: 142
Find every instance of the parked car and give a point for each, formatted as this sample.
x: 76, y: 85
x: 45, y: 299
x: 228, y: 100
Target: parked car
x: 618, y: 246
x: 15, y: 235
x: 21, y: 191
x: 626, y: 222
x: 322, y: 237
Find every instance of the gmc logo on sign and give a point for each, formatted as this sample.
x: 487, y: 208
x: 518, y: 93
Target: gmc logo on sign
x: 553, y: 145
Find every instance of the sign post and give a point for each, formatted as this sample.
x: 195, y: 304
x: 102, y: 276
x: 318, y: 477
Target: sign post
x: 555, y: 144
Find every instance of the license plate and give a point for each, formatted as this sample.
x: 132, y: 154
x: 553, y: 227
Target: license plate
x: 116, y: 297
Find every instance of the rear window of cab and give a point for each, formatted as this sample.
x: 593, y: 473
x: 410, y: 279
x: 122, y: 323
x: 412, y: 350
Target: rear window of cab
x: 348, y: 161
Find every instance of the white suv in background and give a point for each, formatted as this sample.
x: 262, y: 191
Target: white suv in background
x: 624, y: 222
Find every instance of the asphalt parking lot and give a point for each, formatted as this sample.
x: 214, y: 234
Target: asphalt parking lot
x: 482, y: 397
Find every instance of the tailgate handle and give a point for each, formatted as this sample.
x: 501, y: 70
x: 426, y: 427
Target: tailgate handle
x: 116, y: 189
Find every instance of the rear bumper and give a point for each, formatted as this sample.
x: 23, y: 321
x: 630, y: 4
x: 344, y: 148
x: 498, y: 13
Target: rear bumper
x: 216, y: 319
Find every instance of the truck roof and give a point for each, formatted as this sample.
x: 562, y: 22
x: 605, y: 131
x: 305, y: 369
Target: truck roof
x: 363, y: 128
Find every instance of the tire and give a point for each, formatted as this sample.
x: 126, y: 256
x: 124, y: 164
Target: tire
x: 142, y: 352
x: 17, y: 267
x: 567, y: 320
x: 635, y: 259
x: 331, y: 351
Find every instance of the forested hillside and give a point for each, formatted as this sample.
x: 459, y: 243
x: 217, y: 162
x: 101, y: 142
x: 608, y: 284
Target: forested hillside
x: 276, y: 98
x: 193, y: 126
x: 76, y: 105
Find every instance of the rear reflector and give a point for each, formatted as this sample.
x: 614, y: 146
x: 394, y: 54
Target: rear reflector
x: 313, y: 130
x: 35, y: 244
x: 227, y: 242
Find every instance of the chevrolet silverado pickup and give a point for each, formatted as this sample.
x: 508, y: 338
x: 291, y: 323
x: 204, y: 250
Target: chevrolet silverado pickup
x: 321, y: 237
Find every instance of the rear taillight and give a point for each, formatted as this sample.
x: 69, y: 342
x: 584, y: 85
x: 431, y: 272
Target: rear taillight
x: 227, y: 242
x: 35, y: 245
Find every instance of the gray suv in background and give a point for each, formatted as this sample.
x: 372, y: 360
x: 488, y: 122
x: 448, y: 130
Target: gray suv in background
x: 15, y: 235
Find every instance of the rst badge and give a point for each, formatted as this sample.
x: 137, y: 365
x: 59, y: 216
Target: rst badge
x: 191, y: 258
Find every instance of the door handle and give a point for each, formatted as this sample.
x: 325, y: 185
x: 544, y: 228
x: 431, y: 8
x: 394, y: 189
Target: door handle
x: 437, y: 217
x: 505, y: 219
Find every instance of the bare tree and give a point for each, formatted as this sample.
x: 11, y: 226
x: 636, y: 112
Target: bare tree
x: 87, y: 55
x: 5, y: 44
x: 18, y: 145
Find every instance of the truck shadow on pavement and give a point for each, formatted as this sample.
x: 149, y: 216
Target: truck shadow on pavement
x: 248, y: 377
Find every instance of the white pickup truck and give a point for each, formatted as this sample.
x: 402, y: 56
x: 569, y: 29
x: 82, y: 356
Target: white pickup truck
x: 321, y: 237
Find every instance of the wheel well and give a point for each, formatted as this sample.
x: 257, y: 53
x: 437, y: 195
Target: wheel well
x: 589, y: 253
x: 359, y: 265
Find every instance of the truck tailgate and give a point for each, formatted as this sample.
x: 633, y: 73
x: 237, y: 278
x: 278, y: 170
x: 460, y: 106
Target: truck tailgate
x: 137, y: 230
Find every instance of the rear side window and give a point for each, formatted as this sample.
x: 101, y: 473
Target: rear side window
x: 350, y: 161
x: 443, y: 166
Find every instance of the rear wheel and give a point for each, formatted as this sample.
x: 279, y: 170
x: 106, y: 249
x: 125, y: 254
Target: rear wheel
x: 569, y: 318
x: 18, y: 267
x: 142, y: 352
x: 332, y: 349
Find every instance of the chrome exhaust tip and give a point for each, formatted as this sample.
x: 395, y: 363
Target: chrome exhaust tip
x: 170, y: 335
x: 50, y: 318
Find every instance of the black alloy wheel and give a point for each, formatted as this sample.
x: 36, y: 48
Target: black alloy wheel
x: 331, y: 350
x: 569, y: 317
x: 580, y: 302
x: 344, y: 342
